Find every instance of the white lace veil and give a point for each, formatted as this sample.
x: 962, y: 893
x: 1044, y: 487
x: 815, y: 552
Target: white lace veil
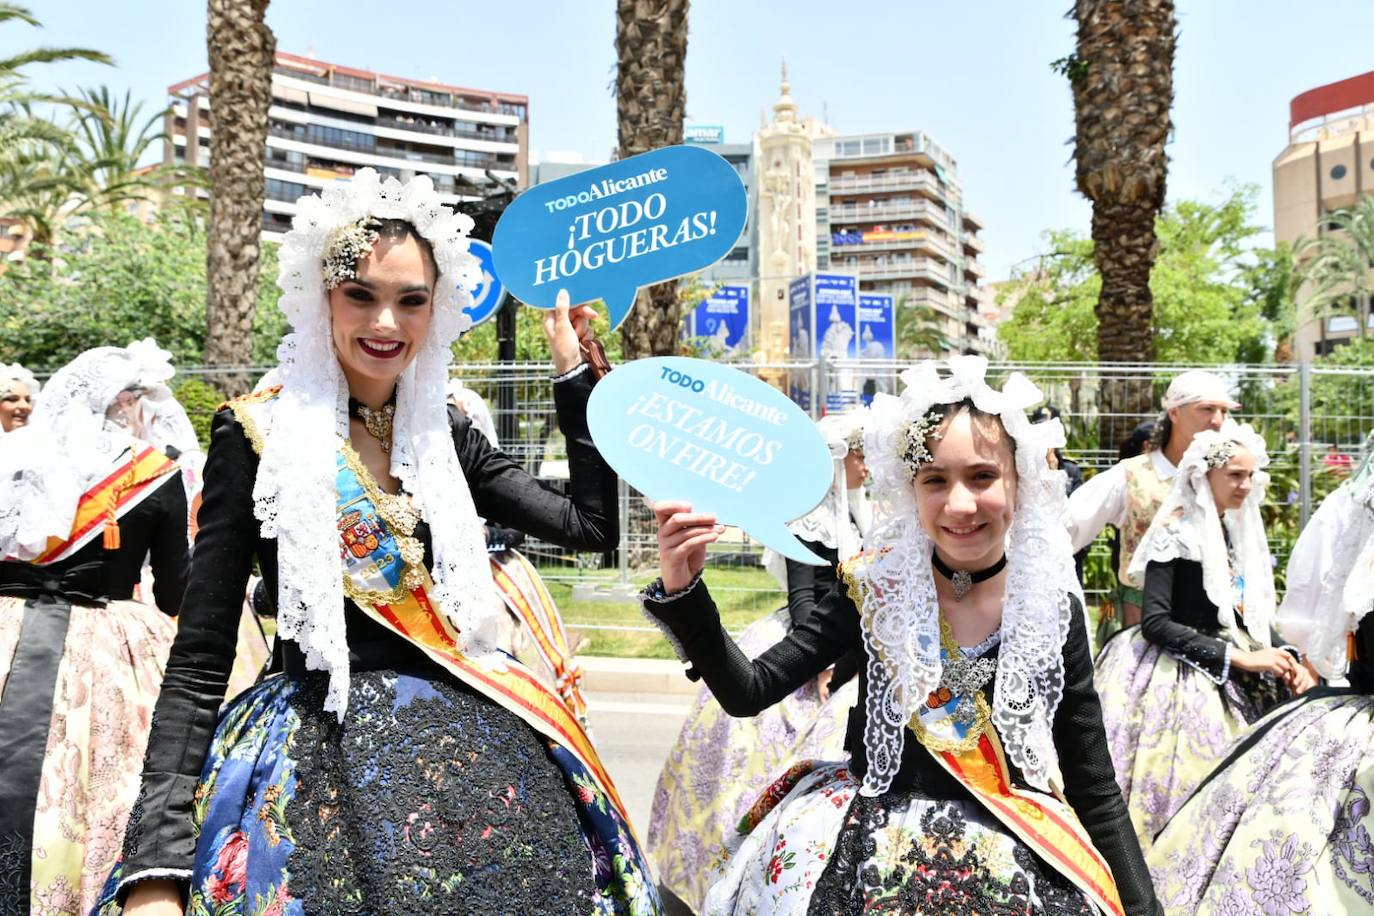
x: 1188, y: 526
x: 294, y: 496
x: 833, y: 522
x: 900, y: 613
x: 68, y: 445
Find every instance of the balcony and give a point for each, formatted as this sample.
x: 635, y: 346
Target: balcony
x: 444, y: 130
x: 973, y: 268
x: 898, y: 181
x: 972, y: 222
x: 903, y: 268
x: 927, y: 241
x: 933, y: 298
x: 859, y: 213
x: 973, y: 243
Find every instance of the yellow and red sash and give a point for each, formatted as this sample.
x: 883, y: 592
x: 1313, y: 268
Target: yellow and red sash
x: 524, y: 592
x: 1044, y: 823
x: 100, y: 507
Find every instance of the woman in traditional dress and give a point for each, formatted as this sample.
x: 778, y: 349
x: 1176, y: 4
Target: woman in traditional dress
x: 399, y: 764
x: 1283, y: 824
x: 720, y: 764
x: 1203, y: 663
x: 977, y: 707
x: 18, y: 390
x: 84, y: 502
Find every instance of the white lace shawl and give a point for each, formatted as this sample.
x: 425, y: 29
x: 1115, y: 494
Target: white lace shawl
x: 839, y: 520
x: 1187, y: 526
x: 294, y: 496
x: 900, y: 613
x: 68, y: 445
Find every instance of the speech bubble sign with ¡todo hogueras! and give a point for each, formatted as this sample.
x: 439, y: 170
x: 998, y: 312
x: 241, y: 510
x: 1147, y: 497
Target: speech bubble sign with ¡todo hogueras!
x: 605, y: 232
x: 731, y: 445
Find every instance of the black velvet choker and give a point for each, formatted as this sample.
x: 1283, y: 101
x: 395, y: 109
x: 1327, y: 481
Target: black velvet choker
x: 963, y: 580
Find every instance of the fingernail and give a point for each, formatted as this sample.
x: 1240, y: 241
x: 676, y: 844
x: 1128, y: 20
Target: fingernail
x: 563, y: 298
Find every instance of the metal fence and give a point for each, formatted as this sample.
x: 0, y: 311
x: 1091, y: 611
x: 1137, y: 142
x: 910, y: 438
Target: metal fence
x: 1314, y: 419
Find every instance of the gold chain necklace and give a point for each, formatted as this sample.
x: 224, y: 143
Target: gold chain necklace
x: 378, y: 422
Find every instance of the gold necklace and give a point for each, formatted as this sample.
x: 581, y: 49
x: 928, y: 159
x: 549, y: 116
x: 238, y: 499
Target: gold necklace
x: 377, y: 422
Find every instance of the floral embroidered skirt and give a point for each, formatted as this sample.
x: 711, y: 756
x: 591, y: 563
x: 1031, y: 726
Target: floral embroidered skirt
x: 77, y: 689
x: 816, y: 846
x: 1167, y: 725
x: 721, y: 764
x: 1284, y: 826
x: 427, y: 798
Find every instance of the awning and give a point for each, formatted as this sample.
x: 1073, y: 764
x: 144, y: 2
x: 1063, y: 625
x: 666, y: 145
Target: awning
x: 323, y: 100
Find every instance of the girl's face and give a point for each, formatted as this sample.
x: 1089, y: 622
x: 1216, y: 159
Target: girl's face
x: 381, y: 317
x: 967, y: 494
x: 855, y: 471
x: 125, y: 411
x: 1232, y: 482
x: 15, y: 407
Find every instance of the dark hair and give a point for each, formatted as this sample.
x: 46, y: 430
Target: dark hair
x: 984, y: 422
x: 398, y: 230
x: 1159, y: 436
x: 1138, y: 442
x: 1045, y: 412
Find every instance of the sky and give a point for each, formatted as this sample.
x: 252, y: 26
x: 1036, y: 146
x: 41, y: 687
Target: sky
x: 975, y: 76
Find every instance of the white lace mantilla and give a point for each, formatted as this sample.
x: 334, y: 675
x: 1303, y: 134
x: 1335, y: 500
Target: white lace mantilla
x: 294, y: 496
x: 896, y: 586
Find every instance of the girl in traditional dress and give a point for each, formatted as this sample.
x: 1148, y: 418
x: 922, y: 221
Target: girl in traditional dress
x: 1203, y: 663
x: 720, y: 764
x: 980, y: 779
x: 1284, y: 823
x: 399, y: 764
x: 18, y: 391
x: 84, y: 502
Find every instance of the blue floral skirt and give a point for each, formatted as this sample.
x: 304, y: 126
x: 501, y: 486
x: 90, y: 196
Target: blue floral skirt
x: 428, y: 797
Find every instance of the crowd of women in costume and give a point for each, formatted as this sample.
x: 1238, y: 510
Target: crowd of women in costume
x: 929, y: 724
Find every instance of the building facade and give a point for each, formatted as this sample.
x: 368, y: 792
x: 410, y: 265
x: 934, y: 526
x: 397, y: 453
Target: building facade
x: 327, y: 120
x: 1327, y: 165
x: 890, y: 208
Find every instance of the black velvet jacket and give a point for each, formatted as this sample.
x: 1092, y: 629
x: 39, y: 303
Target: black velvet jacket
x: 155, y: 529
x: 745, y: 688
x: 807, y: 587
x: 159, y: 841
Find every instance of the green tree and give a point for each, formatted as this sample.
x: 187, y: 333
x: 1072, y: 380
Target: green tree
x: 918, y: 330
x: 1207, y: 307
x: 116, y: 279
x: 1334, y: 266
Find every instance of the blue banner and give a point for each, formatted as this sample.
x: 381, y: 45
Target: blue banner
x: 722, y: 320
x: 800, y: 327
x: 877, y: 342
x: 605, y: 232
x: 710, y: 435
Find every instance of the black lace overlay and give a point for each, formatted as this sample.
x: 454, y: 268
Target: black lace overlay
x: 942, y: 869
x: 15, y: 851
x: 439, y: 801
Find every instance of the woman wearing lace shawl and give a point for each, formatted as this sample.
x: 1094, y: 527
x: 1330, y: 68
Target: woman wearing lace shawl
x: 720, y: 764
x: 1283, y: 824
x: 399, y: 763
x: 1203, y: 663
x: 84, y: 502
x: 18, y: 391
x: 979, y: 778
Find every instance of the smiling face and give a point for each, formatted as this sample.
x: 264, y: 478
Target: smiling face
x: 380, y: 317
x: 967, y: 494
x: 15, y: 406
x: 1232, y: 482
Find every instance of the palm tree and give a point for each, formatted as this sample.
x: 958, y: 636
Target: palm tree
x: 1335, y: 266
x: 1122, y: 79
x: 651, y: 50
x: 918, y: 331
x: 111, y: 140
x: 242, y: 53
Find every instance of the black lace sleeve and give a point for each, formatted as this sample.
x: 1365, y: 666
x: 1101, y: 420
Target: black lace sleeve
x: 1090, y: 781
x: 1157, y: 624
x: 742, y: 687
x: 507, y: 494
x: 159, y: 842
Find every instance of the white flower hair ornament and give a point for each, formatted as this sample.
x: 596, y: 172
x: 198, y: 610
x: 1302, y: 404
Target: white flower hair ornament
x: 294, y: 496
x: 896, y: 586
x: 1239, y: 581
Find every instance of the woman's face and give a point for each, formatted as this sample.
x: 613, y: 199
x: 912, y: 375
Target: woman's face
x: 125, y: 411
x: 967, y: 494
x: 381, y: 317
x: 855, y: 471
x: 1232, y: 482
x: 15, y: 407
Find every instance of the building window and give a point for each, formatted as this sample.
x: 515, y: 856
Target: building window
x: 1337, y: 172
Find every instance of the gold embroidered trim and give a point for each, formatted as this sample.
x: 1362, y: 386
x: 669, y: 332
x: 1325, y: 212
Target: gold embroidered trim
x: 241, y: 408
x: 400, y: 521
x: 982, y: 713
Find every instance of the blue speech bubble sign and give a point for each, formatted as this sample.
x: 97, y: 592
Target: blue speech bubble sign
x: 489, y: 294
x: 687, y: 429
x: 604, y: 233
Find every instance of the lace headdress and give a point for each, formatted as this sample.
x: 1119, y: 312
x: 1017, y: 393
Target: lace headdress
x: 17, y: 373
x: 294, y: 495
x: 900, y: 612
x: 839, y: 520
x: 68, y: 445
x: 1188, y: 526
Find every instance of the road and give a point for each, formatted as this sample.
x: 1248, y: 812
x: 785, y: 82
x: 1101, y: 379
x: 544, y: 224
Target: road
x: 634, y: 732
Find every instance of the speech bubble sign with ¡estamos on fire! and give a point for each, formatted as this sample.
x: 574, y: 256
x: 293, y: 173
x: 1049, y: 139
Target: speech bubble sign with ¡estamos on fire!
x: 729, y: 444
x: 604, y: 233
